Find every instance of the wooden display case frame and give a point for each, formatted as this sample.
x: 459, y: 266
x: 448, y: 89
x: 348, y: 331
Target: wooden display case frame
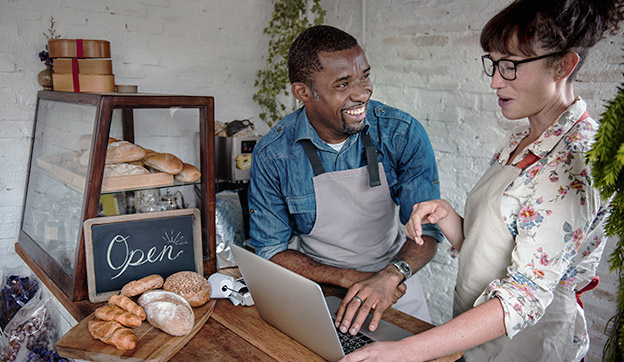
x: 74, y: 286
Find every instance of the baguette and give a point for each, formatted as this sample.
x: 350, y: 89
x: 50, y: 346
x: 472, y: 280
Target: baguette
x: 123, y: 151
x: 127, y: 304
x: 114, y: 313
x: 137, y: 287
x: 111, y: 332
x: 189, y: 173
x: 164, y: 162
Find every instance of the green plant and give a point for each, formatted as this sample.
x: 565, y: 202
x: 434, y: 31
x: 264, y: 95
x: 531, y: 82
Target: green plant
x: 607, y: 160
x: 289, y: 19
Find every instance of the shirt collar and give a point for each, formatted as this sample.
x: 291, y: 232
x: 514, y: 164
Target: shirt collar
x: 549, y: 139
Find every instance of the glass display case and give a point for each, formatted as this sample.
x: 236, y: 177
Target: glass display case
x: 70, y: 178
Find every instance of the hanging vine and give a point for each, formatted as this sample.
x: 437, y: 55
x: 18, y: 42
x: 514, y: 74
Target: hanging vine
x: 607, y: 160
x: 288, y: 20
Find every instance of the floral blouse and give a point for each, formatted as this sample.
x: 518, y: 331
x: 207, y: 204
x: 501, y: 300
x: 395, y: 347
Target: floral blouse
x: 555, y: 216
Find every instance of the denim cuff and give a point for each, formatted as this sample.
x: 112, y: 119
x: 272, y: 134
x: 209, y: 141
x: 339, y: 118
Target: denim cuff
x: 267, y: 251
x: 433, y: 231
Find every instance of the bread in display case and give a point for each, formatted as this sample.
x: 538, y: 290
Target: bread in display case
x: 103, y: 154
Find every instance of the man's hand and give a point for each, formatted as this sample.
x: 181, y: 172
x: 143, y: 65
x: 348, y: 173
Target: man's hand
x: 378, y: 292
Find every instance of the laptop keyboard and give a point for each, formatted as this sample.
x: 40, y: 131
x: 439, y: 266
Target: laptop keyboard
x: 351, y: 343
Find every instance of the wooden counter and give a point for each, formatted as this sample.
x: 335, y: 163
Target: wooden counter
x: 235, y: 333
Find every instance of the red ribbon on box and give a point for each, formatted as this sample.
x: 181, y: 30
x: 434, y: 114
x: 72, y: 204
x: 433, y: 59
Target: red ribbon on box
x: 75, y: 73
x: 79, y: 49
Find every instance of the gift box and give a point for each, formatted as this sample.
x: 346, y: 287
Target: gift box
x: 79, y: 67
x: 79, y: 48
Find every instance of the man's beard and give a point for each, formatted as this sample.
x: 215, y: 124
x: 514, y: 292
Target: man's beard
x: 349, y: 130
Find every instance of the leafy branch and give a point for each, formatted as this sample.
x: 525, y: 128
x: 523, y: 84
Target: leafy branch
x: 607, y: 160
x: 289, y: 19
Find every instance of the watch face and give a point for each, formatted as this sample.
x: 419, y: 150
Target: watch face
x: 404, y: 268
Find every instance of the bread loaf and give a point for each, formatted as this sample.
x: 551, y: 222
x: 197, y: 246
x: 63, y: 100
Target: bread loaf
x: 123, y: 151
x: 189, y: 173
x: 124, y: 169
x: 165, y: 162
x: 168, y: 312
x: 111, y: 332
x: 114, y: 313
x: 149, y: 152
x: 127, y: 304
x: 137, y: 287
x: 84, y: 142
x: 190, y: 285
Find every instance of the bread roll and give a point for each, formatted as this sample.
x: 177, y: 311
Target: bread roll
x: 111, y: 332
x: 137, y: 287
x: 127, y: 304
x: 190, y: 285
x: 168, y: 312
x: 189, y: 173
x: 123, y: 151
x: 84, y: 158
x: 165, y: 162
x: 124, y: 169
x: 84, y: 142
x: 114, y: 313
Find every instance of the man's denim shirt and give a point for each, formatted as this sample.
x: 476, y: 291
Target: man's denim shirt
x: 281, y: 192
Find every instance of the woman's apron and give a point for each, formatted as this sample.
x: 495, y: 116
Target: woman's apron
x: 357, y: 223
x: 484, y: 257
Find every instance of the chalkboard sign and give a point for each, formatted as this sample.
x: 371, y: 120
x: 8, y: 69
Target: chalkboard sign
x: 120, y: 249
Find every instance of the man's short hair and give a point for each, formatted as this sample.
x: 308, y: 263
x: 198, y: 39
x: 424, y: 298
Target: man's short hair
x: 303, y: 59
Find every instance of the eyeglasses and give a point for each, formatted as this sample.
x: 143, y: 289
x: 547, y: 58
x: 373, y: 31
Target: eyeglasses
x: 508, y: 68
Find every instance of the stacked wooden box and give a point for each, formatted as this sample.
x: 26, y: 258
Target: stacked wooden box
x: 81, y: 65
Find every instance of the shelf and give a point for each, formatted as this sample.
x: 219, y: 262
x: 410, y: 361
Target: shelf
x: 65, y: 168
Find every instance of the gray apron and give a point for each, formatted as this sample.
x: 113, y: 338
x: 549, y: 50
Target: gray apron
x: 484, y: 257
x: 357, y: 224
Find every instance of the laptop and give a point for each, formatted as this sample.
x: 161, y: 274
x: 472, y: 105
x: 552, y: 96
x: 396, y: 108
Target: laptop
x: 296, y: 306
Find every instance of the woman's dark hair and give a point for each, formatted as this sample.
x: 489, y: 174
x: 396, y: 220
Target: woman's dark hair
x: 552, y: 26
x: 303, y: 59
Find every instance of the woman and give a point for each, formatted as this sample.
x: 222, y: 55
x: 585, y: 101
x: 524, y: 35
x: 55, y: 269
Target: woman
x: 532, y: 234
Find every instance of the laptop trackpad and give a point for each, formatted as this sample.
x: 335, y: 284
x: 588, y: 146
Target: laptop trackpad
x: 385, y: 331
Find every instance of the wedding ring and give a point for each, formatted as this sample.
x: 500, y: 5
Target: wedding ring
x: 358, y: 299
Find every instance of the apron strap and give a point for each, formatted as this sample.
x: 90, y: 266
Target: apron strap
x: 313, y: 157
x: 591, y: 286
x: 371, y: 159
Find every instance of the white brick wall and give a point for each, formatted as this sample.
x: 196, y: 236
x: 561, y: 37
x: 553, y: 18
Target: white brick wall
x: 184, y: 46
x: 424, y: 56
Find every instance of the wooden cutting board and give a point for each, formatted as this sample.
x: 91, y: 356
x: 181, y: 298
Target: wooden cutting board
x: 152, y: 343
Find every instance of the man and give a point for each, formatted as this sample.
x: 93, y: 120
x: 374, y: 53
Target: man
x: 333, y: 172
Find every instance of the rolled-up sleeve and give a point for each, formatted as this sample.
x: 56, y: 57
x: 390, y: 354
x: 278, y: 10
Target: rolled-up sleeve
x: 268, y: 212
x: 417, y: 174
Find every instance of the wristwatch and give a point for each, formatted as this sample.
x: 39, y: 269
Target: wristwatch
x: 404, y: 268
